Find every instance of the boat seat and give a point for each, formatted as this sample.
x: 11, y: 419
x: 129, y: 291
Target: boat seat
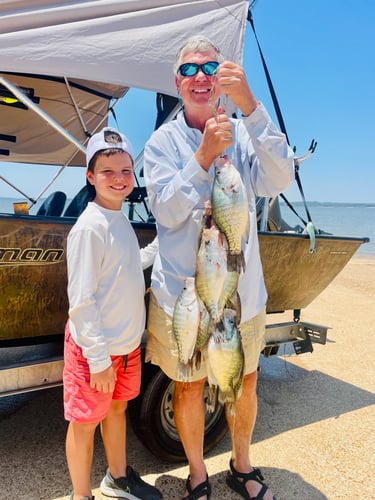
x: 53, y: 205
x: 78, y: 203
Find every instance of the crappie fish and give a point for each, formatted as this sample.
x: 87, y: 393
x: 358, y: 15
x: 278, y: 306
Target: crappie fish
x: 230, y: 208
x: 203, y: 328
x: 185, y: 321
x: 232, y: 276
x: 204, y: 332
x: 211, y: 270
x: 226, y: 361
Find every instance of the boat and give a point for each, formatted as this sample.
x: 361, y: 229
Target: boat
x: 64, y: 67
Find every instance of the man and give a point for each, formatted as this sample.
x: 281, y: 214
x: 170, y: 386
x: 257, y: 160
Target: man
x: 179, y: 173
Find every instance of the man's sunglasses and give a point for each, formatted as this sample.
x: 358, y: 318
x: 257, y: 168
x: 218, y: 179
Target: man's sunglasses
x: 191, y: 69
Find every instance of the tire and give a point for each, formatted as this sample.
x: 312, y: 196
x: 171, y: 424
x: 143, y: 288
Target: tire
x: 151, y: 416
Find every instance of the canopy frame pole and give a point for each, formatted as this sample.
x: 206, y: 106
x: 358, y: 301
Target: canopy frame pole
x: 29, y: 103
x: 17, y: 189
x: 78, y: 111
x: 63, y: 167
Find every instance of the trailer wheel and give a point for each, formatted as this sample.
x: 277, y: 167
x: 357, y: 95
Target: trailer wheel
x: 151, y: 416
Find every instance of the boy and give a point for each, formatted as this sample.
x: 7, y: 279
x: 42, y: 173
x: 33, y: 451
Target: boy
x: 106, y: 320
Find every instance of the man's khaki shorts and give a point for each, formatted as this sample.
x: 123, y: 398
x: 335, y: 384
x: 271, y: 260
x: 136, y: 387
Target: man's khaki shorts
x: 161, y: 347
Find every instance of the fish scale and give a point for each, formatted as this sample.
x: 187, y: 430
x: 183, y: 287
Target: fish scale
x: 230, y: 206
x: 211, y: 271
x: 185, y: 321
x: 226, y: 361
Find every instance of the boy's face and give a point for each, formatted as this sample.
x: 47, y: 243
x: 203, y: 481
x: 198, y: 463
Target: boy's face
x: 113, y: 179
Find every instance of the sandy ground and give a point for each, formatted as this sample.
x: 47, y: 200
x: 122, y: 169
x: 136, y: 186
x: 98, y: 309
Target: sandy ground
x: 315, y: 433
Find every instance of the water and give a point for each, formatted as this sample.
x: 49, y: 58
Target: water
x: 340, y: 219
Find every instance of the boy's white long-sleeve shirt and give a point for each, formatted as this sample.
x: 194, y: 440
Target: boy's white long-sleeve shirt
x: 105, y: 286
x: 178, y: 188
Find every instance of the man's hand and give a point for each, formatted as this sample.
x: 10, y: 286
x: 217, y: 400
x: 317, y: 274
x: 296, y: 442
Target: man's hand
x: 217, y: 137
x: 233, y: 82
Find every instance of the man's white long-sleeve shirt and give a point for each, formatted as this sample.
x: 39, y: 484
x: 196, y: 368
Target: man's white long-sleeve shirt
x: 178, y: 188
x: 105, y: 286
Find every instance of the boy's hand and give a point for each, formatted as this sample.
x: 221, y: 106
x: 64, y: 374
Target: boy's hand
x: 103, y: 381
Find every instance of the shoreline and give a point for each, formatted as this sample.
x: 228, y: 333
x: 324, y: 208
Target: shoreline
x: 363, y: 256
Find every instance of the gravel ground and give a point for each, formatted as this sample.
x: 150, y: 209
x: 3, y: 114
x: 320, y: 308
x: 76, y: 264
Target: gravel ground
x: 314, y: 437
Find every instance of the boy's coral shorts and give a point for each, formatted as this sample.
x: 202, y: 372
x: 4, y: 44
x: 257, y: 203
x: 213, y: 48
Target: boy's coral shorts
x: 82, y: 404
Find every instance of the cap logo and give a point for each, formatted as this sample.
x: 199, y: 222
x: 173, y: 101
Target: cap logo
x: 112, y: 137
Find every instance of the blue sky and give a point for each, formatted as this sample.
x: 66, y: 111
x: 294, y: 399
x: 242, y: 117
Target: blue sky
x: 321, y: 61
x: 320, y: 56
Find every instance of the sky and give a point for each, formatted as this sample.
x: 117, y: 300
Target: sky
x: 320, y: 56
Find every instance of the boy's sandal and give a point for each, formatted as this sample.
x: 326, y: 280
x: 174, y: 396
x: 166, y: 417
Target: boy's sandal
x: 202, y: 490
x: 237, y: 482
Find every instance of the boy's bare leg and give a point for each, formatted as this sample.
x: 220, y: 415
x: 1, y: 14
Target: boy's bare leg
x: 113, y: 429
x: 79, y: 454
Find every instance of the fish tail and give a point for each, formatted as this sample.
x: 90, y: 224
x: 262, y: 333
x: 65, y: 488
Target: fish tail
x: 211, y: 399
x: 220, y: 326
x: 183, y: 372
x: 236, y: 263
x: 197, y: 359
x: 227, y: 397
x: 231, y: 409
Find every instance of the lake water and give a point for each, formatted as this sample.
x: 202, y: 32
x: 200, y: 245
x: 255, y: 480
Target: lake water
x: 340, y: 219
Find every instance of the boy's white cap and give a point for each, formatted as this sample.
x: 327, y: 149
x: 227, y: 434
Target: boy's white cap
x: 107, y: 138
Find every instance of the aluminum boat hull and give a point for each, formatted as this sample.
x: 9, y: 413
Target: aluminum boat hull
x: 33, y: 275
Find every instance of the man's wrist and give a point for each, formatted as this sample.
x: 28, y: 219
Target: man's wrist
x: 246, y: 114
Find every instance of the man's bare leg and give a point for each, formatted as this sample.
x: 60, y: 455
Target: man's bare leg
x: 241, y: 426
x: 189, y: 413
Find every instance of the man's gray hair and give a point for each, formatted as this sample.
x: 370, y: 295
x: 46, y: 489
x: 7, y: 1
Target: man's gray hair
x: 196, y: 43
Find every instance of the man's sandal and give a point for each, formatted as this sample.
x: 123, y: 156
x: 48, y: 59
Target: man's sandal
x: 202, y: 490
x: 237, y: 482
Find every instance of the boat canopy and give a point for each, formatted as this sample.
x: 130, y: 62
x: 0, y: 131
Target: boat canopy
x: 72, y: 58
x: 130, y: 43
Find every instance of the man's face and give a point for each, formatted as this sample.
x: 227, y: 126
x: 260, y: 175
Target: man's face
x: 199, y: 90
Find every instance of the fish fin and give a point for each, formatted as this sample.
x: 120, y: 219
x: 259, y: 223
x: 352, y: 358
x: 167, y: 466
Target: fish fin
x: 217, y: 336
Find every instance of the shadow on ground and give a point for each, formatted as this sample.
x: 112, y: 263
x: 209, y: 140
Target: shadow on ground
x: 173, y: 487
x: 32, y: 440
x: 303, y: 396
